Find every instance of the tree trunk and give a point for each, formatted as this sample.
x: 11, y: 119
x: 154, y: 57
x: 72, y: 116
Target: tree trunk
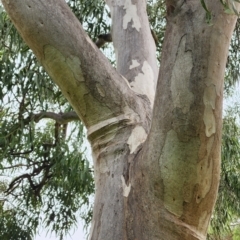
x: 180, y: 178
x: 164, y: 187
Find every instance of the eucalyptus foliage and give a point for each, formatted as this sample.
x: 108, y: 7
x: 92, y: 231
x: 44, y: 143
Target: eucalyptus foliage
x: 227, y: 210
x: 45, y: 175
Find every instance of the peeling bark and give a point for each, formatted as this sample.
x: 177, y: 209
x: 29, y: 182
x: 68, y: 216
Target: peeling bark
x: 150, y: 184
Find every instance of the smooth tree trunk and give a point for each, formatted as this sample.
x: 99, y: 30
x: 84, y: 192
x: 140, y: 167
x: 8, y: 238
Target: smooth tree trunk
x: 156, y: 163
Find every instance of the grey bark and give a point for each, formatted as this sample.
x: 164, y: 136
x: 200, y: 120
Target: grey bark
x: 163, y: 187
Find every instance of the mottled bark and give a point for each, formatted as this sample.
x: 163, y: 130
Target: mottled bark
x: 178, y: 172
x: 163, y: 187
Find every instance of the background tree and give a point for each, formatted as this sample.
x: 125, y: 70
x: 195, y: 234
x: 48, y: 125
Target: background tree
x: 226, y: 213
x: 105, y: 134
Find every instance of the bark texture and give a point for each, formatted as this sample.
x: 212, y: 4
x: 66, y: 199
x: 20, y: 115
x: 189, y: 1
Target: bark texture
x: 163, y: 187
x: 178, y: 172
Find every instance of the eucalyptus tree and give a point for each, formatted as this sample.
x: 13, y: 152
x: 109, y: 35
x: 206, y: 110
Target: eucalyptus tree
x: 225, y: 220
x: 42, y: 154
x: 155, y: 133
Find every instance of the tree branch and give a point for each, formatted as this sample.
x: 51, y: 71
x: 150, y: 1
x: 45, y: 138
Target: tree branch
x: 85, y: 76
x: 60, y: 118
x: 35, y: 187
x: 15, y: 166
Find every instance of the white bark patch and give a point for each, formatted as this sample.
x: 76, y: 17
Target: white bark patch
x: 131, y: 15
x: 128, y: 114
x: 135, y: 63
x: 126, y: 81
x: 204, y: 173
x: 209, y: 121
x: 144, y: 82
x: 178, y: 164
x: 126, y: 189
x: 137, y: 137
x: 209, y: 99
x: 182, y: 97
